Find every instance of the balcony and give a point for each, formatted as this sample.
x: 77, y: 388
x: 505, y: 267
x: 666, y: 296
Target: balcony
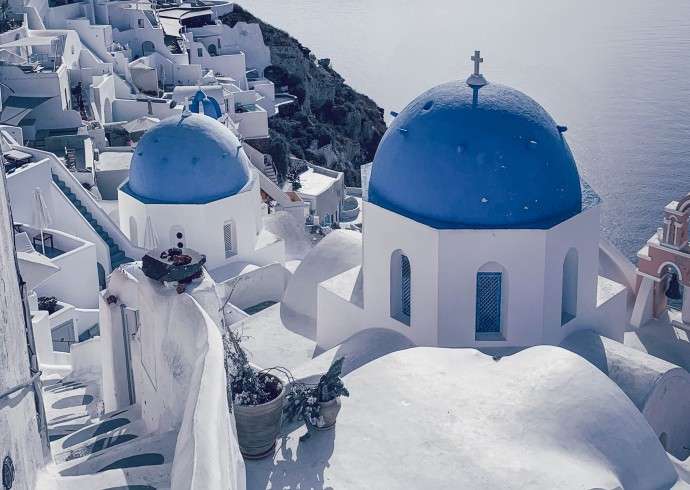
x: 243, y: 108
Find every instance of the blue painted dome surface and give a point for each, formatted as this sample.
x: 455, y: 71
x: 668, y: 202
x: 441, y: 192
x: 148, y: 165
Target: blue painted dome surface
x: 188, y: 159
x: 484, y: 158
x: 208, y: 104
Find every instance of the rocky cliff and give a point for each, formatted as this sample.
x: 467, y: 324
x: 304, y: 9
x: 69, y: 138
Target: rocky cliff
x: 330, y: 124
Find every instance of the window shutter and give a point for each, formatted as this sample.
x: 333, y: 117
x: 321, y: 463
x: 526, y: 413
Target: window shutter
x: 405, y: 285
x: 227, y: 235
x: 488, y: 315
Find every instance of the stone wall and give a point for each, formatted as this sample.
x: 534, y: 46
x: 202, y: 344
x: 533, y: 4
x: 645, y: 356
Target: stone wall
x: 19, y: 437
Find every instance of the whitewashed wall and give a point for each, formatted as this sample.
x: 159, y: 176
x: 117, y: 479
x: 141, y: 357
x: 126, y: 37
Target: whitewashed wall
x: 252, y: 124
x: 231, y: 65
x: 243, y: 37
x: 384, y: 233
x: 581, y: 233
x: 202, y: 225
x: 338, y: 252
x: 76, y: 282
x: 129, y: 109
x: 444, y: 265
x: 265, y: 283
x: 19, y: 437
x: 179, y: 376
x: 98, y: 38
x: 329, y: 201
x: 339, y: 314
x: 521, y: 254
x: 66, y: 217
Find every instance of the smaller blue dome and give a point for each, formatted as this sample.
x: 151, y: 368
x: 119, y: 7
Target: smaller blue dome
x: 208, y: 104
x: 492, y: 157
x: 188, y: 159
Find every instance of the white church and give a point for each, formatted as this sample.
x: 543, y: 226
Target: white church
x: 478, y: 231
x: 192, y: 184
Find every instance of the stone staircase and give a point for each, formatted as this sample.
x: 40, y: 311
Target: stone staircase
x: 269, y: 171
x: 100, y: 451
x: 117, y: 256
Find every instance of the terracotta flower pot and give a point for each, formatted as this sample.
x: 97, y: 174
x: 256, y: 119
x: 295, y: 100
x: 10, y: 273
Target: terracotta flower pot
x: 258, y: 426
x: 328, y: 413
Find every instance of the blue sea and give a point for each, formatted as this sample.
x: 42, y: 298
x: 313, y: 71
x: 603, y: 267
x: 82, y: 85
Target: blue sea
x: 617, y: 73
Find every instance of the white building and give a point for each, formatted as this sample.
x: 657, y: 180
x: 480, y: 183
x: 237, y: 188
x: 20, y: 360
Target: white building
x: 324, y: 190
x: 191, y: 180
x: 479, y: 237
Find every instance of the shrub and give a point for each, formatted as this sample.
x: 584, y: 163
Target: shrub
x: 48, y: 303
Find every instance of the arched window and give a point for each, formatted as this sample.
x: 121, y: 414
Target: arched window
x: 107, y: 111
x: 147, y: 47
x: 228, y: 237
x: 490, y: 300
x: 101, y: 276
x: 212, y: 50
x: 569, y: 288
x: 400, y: 287
x: 133, y: 232
x: 672, y: 285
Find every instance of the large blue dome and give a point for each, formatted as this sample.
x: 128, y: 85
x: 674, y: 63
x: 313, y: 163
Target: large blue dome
x: 188, y: 159
x: 492, y: 157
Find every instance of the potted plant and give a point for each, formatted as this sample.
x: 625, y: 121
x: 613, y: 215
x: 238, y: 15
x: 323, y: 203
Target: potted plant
x: 256, y: 398
x: 49, y: 304
x: 318, y: 405
x: 328, y: 392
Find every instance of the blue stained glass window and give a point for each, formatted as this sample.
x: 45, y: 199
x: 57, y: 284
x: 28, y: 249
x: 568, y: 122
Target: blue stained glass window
x: 488, y: 315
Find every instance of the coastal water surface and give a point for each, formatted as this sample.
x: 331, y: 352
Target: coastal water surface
x: 617, y: 73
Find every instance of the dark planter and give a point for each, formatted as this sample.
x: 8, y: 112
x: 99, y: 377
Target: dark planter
x: 328, y: 413
x: 258, y: 426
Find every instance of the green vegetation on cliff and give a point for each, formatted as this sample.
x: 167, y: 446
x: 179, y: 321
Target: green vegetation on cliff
x: 330, y: 124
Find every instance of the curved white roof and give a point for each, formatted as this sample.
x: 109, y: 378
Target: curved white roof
x: 659, y: 389
x: 338, y: 252
x: 637, y: 373
x: 456, y: 418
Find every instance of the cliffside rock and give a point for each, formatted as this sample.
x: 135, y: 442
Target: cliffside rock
x: 330, y: 124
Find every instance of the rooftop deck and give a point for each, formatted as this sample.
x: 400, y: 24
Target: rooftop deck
x: 315, y: 182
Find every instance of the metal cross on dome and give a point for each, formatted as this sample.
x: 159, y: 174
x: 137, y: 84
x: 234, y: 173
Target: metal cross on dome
x: 477, y: 59
x: 476, y: 79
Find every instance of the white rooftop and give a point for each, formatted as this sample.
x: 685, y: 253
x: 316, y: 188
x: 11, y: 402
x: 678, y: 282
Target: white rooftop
x: 314, y: 183
x: 114, y: 160
x: 456, y: 418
